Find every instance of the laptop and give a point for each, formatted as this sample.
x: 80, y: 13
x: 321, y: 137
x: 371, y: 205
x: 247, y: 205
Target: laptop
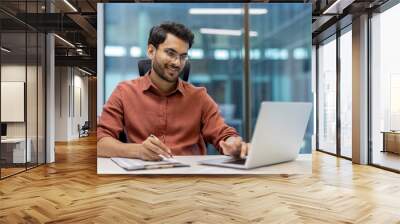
x: 277, y: 138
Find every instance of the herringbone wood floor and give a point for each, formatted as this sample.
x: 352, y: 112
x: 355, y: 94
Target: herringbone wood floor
x: 70, y: 191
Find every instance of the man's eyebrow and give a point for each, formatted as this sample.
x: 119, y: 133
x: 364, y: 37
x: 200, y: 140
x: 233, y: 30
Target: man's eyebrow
x: 171, y: 49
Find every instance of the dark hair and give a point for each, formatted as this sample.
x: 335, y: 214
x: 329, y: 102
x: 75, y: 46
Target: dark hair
x: 158, y: 33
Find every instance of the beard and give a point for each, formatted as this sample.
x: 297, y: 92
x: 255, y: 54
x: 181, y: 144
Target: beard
x: 162, y: 73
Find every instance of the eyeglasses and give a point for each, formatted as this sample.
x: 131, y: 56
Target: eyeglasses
x: 173, y: 55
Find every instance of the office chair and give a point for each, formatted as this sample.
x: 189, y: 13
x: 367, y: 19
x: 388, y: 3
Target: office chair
x: 84, y: 129
x: 145, y: 65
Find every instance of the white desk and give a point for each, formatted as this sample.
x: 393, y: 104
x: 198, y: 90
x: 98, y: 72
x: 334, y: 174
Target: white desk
x: 18, y: 152
x: 302, y: 165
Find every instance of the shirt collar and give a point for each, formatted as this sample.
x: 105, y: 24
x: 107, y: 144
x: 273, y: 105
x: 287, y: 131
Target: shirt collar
x: 147, y: 83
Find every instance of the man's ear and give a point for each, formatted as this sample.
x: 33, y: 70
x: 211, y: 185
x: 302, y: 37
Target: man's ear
x: 151, y: 51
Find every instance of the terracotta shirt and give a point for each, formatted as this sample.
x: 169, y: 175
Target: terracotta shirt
x: 183, y: 119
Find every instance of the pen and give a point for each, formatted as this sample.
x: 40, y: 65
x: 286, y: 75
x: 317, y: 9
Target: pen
x: 153, y: 136
x: 164, y: 166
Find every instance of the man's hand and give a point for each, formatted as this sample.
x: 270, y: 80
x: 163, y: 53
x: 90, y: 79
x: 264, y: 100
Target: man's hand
x: 152, y: 148
x: 234, y: 146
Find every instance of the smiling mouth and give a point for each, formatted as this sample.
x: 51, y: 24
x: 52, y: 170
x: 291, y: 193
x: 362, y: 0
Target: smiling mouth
x: 173, y: 71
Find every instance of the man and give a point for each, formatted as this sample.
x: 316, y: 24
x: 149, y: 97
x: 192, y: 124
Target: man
x: 161, y: 114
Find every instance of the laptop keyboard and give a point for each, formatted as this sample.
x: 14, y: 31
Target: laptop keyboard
x: 239, y: 161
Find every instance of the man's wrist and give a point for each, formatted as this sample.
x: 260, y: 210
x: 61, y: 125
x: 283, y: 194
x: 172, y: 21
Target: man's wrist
x: 129, y: 150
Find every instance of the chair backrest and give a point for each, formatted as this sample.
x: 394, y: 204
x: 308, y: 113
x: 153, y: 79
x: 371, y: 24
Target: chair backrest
x: 86, y: 125
x: 145, y: 65
x: 122, y: 137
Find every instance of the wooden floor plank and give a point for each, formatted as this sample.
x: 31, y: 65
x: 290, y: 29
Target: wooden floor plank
x: 70, y: 191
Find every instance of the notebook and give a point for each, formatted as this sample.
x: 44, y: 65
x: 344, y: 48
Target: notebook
x: 137, y: 164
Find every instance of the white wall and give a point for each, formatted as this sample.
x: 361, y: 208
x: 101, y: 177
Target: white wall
x: 14, y: 73
x: 80, y: 89
x: 17, y: 73
x: 70, y: 83
x: 61, y: 103
x: 33, y: 127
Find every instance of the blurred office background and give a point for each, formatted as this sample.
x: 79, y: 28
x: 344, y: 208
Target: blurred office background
x: 279, y: 52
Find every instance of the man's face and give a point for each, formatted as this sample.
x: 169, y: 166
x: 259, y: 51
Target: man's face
x: 169, y: 58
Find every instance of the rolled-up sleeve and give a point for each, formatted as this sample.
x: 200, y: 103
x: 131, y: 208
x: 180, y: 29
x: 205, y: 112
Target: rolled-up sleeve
x: 111, y: 119
x: 214, y: 129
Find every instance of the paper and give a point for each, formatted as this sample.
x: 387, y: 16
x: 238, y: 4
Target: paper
x: 137, y: 164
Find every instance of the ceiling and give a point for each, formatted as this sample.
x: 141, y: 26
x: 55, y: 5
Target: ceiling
x: 75, y: 22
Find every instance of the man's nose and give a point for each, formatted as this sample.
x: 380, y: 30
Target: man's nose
x: 177, y: 62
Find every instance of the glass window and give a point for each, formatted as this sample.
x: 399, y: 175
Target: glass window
x: 385, y: 87
x: 346, y: 93
x: 215, y: 57
x: 280, y: 57
x: 13, y: 86
x: 327, y: 96
x: 31, y: 96
x: 22, y: 92
x: 41, y: 80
